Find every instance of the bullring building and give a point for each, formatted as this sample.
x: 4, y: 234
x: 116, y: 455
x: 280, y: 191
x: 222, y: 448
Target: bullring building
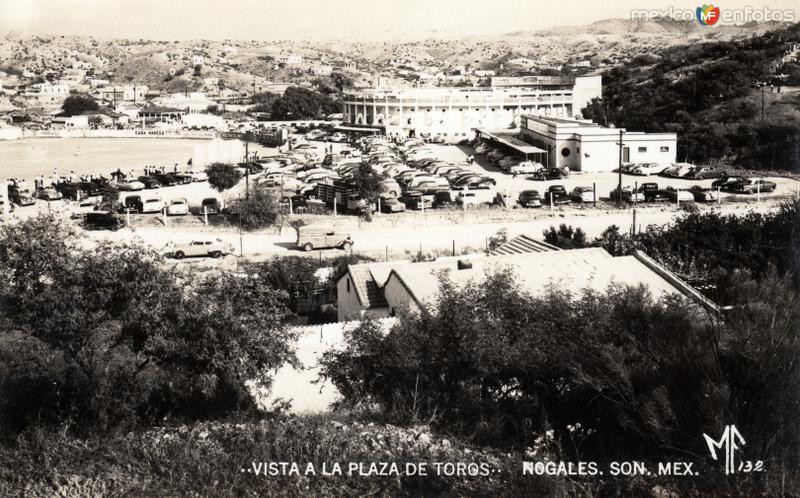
x: 453, y: 113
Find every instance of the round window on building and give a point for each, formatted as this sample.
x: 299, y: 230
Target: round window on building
x: 565, y: 152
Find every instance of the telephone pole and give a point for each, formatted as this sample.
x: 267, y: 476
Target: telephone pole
x: 619, y: 171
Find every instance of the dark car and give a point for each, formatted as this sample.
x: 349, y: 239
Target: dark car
x: 704, y: 172
x: 412, y: 199
x: 210, y: 205
x: 530, y: 199
x: 727, y: 181
x: 652, y: 193
x: 184, y: 178
x: 132, y: 203
x: 167, y: 179
x: 545, y: 174
x: 557, y: 194
x: 704, y: 194
x: 101, y: 220
x: 297, y: 201
x: 442, y: 198
x: 750, y: 186
x: 20, y: 197
x: 149, y: 182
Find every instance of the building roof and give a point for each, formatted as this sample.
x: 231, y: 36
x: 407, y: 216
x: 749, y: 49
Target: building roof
x: 523, y: 244
x: 572, y: 270
x: 508, y: 138
x: 368, y: 279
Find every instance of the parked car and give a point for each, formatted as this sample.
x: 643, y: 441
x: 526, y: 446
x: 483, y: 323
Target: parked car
x: 202, y: 247
x: 467, y: 198
x: 178, y: 207
x: 441, y: 199
x: 677, y: 170
x: 628, y: 195
x: 392, y: 205
x: 704, y: 194
x: 152, y: 205
x: 504, y: 199
x: 530, y: 199
x: 149, y: 182
x: 167, y: 179
x: 726, y: 181
x: 413, y: 199
x: 647, y: 169
x: 545, y: 174
x: 101, y: 220
x: 210, y: 205
x: 580, y: 195
x: 47, y: 193
x: 130, y: 185
x: 752, y: 186
x: 525, y: 167
x: 311, y: 237
x: 703, y: 172
x: 558, y: 194
x: 132, y: 203
x: 198, y: 175
x: 652, y: 193
x: 20, y: 197
x: 678, y: 195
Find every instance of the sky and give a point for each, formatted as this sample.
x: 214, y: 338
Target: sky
x: 319, y: 19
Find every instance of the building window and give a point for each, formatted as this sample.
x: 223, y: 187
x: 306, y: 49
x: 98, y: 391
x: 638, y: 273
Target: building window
x: 664, y: 148
x: 642, y: 149
x: 565, y: 152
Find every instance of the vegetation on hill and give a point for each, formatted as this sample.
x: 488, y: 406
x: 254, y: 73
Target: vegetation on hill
x: 708, y: 94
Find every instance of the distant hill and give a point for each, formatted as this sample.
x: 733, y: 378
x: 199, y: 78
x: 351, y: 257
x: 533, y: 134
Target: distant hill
x: 710, y: 95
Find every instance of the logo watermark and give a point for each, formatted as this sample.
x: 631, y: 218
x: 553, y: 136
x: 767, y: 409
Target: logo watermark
x: 709, y: 15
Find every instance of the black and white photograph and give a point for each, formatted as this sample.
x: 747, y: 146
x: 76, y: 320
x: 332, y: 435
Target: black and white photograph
x: 414, y: 248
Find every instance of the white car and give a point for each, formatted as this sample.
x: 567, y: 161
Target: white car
x: 198, y: 175
x: 525, y: 167
x: 130, y: 185
x: 178, y: 207
x: 647, y: 169
x: 152, y: 205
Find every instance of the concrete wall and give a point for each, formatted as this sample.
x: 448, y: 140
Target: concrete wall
x: 347, y: 303
x: 398, y: 297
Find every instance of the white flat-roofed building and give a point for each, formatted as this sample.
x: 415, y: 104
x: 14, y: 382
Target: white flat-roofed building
x: 377, y: 290
x: 587, y: 146
x: 453, y: 113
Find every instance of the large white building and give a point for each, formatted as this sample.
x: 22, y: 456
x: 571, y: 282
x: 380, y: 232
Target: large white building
x: 375, y: 290
x: 453, y: 113
x: 586, y: 146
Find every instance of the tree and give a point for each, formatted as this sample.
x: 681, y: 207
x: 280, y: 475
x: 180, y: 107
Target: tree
x: 78, y: 104
x: 222, y: 176
x: 341, y: 81
x: 302, y: 103
x: 566, y: 237
x: 198, y: 70
x: 257, y: 210
x: 133, y: 341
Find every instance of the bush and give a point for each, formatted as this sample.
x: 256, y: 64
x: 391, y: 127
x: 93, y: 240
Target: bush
x: 254, y: 211
x: 640, y: 376
x: 223, y: 176
x: 125, y: 340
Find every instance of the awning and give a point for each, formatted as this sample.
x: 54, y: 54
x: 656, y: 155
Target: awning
x: 510, y: 140
x: 362, y: 129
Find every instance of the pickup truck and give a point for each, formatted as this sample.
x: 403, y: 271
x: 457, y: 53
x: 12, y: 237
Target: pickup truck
x: 652, y: 193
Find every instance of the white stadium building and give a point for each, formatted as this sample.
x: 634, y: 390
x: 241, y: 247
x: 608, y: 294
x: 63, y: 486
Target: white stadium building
x: 453, y: 113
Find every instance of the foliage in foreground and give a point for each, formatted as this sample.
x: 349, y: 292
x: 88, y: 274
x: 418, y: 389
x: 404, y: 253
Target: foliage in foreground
x: 643, y: 378
x: 108, y: 337
x: 207, y: 459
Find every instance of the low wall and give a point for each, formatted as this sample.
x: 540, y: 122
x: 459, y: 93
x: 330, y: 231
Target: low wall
x: 110, y: 133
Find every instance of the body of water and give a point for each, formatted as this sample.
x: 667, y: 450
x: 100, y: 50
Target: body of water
x: 31, y: 157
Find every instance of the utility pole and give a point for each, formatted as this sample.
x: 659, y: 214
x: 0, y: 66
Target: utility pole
x: 762, y: 102
x: 619, y: 170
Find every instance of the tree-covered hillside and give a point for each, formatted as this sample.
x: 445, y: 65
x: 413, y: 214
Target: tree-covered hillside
x: 711, y: 96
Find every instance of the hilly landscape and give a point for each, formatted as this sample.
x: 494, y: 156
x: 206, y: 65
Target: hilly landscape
x: 730, y: 102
